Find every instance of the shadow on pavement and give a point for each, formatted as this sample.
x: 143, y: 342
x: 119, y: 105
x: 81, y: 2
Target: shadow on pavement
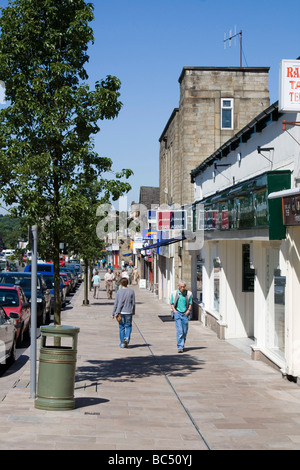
x: 132, y: 368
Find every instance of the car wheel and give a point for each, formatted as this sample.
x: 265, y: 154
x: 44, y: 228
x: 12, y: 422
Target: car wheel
x: 13, y: 352
x: 28, y: 331
x: 48, y: 318
x: 44, y: 315
x: 21, y: 336
x: 42, y: 318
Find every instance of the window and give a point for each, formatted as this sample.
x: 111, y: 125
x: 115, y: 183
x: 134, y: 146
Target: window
x: 226, y: 113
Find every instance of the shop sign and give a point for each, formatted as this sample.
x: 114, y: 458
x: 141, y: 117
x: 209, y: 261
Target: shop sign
x: 247, y: 206
x: 149, y: 234
x: 151, y: 217
x: 289, y: 86
x: 171, y: 220
x: 291, y: 210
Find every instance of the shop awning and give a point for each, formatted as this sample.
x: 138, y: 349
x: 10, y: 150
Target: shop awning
x: 284, y: 193
x: 128, y: 254
x: 165, y: 242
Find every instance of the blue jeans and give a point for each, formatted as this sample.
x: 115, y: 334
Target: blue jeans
x: 125, y: 327
x: 182, y: 326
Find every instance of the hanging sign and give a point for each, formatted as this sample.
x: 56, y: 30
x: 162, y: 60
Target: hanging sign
x: 289, y: 86
x: 291, y: 210
x: 171, y: 220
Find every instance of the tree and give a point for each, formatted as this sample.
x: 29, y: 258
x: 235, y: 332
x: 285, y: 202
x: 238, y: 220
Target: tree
x: 84, y: 240
x: 46, y: 130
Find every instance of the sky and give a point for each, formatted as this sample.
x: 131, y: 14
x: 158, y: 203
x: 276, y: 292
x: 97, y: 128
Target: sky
x: 146, y: 44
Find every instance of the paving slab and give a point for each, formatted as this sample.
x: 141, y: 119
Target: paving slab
x: 148, y: 397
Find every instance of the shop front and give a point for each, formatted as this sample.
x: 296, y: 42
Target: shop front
x: 244, y: 265
x: 286, y: 336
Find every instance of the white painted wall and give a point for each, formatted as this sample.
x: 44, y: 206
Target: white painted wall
x: 286, y: 156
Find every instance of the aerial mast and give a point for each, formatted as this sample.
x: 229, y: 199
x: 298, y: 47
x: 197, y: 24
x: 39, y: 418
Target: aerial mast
x: 233, y: 36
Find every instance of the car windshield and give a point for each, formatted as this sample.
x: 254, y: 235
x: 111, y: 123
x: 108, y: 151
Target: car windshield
x: 45, y: 268
x: 49, y: 281
x: 22, y: 280
x: 9, y: 298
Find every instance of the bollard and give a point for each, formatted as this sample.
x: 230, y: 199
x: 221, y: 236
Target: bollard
x: 56, y: 378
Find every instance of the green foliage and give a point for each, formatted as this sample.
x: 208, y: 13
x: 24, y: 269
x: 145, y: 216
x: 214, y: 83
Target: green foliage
x: 48, y: 168
x: 11, y: 230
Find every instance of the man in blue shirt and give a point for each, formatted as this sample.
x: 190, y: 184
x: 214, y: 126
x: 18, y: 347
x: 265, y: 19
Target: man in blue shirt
x: 181, y: 304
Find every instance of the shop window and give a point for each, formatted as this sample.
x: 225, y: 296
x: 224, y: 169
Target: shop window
x: 200, y: 263
x: 226, y: 113
x: 275, y: 283
x: 247, y: 271
x: 279, y: 310
x: 217, y: 272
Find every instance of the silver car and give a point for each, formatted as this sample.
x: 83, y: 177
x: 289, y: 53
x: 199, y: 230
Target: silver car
x: 8, y: 337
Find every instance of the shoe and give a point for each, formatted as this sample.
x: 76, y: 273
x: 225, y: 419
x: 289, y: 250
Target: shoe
x: 126, y: 342
x: 122, y: 345
x: 180, y: 350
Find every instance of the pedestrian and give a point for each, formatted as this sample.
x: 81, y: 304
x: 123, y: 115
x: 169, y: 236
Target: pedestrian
x: 117, y: 280
x: 135, y: 276
x: 125, y: 274
x: 96, y: 284
x: 181, y: 304
x: 125, y: 305
x: 129, y: 271
x: 108, y: 282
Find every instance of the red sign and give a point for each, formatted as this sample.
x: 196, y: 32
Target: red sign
x: 289, y: 86
x: 164, y: 220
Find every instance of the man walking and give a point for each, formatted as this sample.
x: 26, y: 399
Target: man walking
x: 181, y: 304
x: 125, y: 305
x: 108, y: 281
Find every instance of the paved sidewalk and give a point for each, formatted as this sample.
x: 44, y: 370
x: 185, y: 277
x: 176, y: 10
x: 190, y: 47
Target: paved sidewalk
x: 149, y: 397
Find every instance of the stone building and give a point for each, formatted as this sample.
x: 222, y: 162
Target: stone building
x: 215, y: 102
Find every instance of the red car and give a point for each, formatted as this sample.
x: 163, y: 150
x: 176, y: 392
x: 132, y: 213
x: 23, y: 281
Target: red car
x: 67, y: 281
x: 12, y: 299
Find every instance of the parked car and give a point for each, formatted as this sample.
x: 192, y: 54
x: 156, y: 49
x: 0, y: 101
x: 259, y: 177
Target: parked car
x: 77, y: 268
x: 67, y: 282
x: 71, y: 276
x: 49, y: 279
x: 43, y: 294
x: 42, y: 268
x: 64, y: 289
x: 73, y: 270
x: 8, y: 336
x: 13, y: 299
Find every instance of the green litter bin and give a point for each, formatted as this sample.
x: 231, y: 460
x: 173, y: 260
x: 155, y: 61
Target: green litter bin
x: 57, y: 366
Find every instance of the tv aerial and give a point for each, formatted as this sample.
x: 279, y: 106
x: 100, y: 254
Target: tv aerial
x: 234, y: 36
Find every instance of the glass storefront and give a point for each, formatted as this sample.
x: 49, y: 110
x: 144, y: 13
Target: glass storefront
x: 200, y: 264
x: 275, y: 320
x: 216, y: 266
x: 279, y: 311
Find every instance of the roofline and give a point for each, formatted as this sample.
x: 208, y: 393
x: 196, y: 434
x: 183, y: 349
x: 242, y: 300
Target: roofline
x: 261, y: 119
x: 225, y: 69
x: 174, y: 112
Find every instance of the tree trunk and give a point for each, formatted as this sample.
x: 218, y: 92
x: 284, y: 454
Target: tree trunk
x: 86, y: 282
x: 57, y: 303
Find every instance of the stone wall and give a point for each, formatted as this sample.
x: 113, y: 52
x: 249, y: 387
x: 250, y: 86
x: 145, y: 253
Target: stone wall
x: 193, y: 131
